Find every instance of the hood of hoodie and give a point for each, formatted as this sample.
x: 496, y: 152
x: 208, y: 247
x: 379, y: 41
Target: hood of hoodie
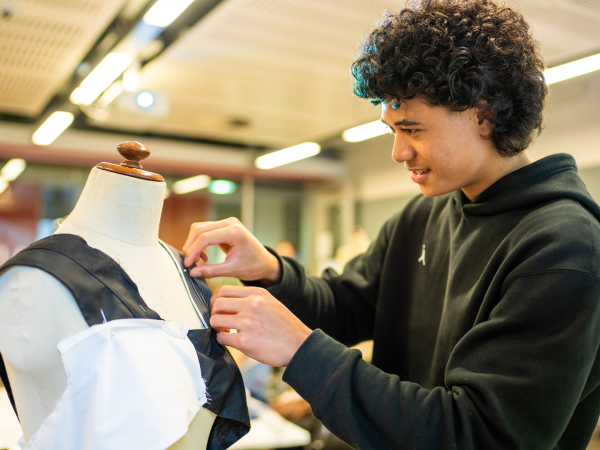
x: 523, y: 189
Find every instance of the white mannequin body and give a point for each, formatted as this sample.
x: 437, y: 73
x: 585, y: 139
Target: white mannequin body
x: 118, y: 215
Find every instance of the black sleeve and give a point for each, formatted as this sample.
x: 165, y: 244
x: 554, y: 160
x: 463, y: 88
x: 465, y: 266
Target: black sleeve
x: 343, y: 305
x: 512, y: 382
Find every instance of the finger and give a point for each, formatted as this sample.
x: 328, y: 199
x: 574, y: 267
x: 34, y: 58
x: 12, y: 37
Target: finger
x: 221, y: 236
x: 227, y: 305
x: 238, y: 291
x: 195, y: 230
x: 200, y: 262
x: 229, y: 339
x: 226, y: 322
x: 202, y: 227
x: 229, y: 294
x: 223, y: 269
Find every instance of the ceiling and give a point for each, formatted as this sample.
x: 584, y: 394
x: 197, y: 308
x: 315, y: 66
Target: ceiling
x: 268, y: 73
x: 41, y: 44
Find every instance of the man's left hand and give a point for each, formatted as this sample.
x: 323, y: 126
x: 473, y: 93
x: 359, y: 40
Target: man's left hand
x: 266, y: 330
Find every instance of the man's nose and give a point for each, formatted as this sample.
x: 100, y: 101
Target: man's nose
x: 402, y: 150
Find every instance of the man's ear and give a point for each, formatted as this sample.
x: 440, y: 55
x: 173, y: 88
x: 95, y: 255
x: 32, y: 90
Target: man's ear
x: 483, y: 119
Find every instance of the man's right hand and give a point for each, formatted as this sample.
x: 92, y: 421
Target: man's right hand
x: 246, y: 258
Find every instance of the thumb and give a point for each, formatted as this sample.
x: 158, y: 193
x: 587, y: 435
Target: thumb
x: 224, y: 269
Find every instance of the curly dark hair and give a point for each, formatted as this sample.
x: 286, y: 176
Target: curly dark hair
x: 459, y: 54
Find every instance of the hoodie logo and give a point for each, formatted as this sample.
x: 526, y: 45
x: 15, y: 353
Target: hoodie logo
x: 422, y: 258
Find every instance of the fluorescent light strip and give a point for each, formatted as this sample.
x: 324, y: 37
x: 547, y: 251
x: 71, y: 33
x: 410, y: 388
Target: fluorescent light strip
x: 100, y: 78
x: 110, y: 94
x: 572, y: 69
x: 54, y: 125
x: 191, y: 184
x: 287, y: 155
x: 3, y: 185
x: 366, y: 131
x: 12, y: 169
x: 164, y: 12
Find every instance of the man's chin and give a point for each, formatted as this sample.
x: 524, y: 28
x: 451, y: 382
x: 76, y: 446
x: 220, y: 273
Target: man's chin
x: 431, y: 191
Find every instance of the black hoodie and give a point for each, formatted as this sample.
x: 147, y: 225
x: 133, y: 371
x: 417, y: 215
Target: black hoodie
x: 485, y: 317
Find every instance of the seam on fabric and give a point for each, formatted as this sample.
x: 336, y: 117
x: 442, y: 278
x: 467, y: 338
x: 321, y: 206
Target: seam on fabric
x: 197, y: 294
x: 185, y: 284
x: 542, y: 272
x: 91, y: 274
x: 346, y: 356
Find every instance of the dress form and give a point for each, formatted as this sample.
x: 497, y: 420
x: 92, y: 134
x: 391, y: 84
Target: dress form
x: 118, y: 214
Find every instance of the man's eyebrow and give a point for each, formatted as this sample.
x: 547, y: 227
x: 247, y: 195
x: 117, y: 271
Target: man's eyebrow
x: 402, y: 123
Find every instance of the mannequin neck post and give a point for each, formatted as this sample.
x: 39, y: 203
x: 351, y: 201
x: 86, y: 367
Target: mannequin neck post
x: 121, y: 207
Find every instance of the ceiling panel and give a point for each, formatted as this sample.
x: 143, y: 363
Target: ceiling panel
x: 42, y: 45
x: 565, y: 28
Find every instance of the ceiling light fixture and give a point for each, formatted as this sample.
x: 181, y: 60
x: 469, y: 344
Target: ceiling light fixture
x: 145, y: 99
x: 131, y: 78
x: 366, y: 131
x: 164, y: 12
x: 287, y: 155
x: 54, y: 125
x: 3, y: 185
x: 12, y: 169
x: 100, y: 78
x: 222, y: 187
x: 191, y: 184
x: 110, y: 94
x: 572, y: 69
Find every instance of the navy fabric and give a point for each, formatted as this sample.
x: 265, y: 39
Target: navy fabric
x: 199, y: 290
x: 102, y: 289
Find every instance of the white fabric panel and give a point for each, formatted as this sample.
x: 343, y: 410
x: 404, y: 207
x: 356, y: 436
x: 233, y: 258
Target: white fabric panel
x: 132, y: 383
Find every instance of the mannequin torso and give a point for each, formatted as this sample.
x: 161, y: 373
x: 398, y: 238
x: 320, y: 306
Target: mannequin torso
x: 118, y: 215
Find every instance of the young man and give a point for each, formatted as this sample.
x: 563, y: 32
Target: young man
x: 482, y: 296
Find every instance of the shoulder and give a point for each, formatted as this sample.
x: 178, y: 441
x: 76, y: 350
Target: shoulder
x: 20, y: 284
x: 563, y: 235
x: 15, y: 279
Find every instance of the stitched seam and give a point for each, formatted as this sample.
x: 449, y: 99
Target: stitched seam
x: 329, y: 378
x: 542, y: 272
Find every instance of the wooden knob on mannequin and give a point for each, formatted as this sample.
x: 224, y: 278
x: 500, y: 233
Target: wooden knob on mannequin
x: 133, y: 152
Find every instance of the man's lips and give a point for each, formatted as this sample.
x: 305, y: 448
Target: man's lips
x: 418, y: 175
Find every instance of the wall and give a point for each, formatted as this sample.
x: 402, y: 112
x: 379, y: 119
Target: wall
x: 277, y: 213
x: 591, y: 178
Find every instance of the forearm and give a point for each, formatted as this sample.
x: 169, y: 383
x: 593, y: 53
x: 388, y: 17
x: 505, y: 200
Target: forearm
x: 368, y: 408
x: 321, y: 303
